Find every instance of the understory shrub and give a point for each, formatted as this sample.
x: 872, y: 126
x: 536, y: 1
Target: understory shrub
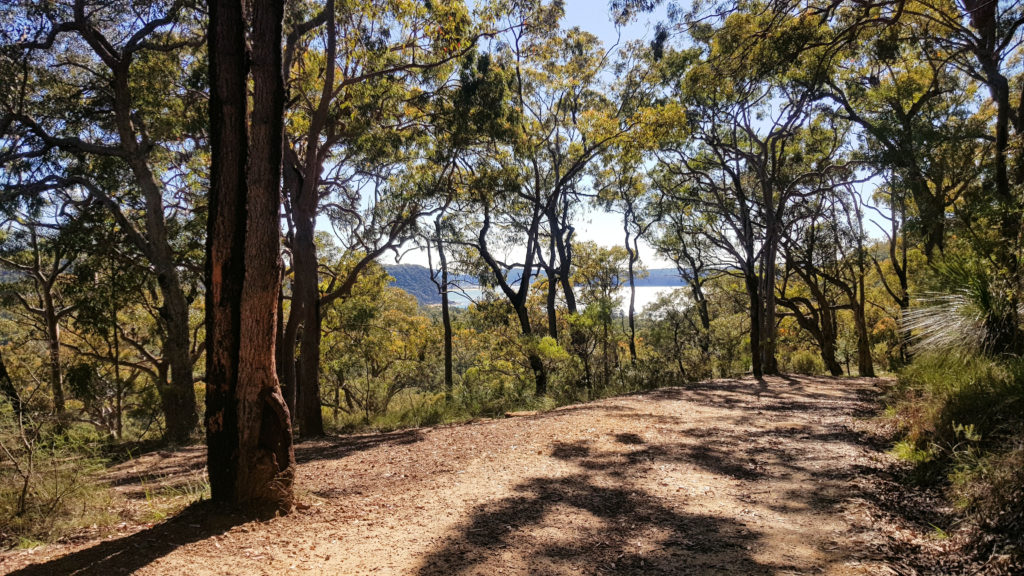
x: 48, y: 484
x: 962, y: 418
x: 805, y: 362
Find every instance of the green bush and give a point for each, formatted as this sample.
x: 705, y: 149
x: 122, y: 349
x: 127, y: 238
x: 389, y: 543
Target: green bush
x: 805, y: 362
x: 962, y: 417
x: 949, y: 403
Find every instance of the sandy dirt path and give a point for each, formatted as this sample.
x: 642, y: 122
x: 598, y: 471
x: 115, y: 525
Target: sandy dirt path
x: 725, y: 477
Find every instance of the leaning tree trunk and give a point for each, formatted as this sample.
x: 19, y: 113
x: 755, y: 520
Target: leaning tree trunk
x: 251, y: 461
x: 865, y: 366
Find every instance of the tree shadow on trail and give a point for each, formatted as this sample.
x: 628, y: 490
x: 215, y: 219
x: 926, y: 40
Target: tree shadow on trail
x: 130, y: 553
x: 591, y: 521
x: 338, y: 447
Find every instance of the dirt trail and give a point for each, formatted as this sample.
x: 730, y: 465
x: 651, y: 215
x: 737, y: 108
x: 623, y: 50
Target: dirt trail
x: 726, y: 477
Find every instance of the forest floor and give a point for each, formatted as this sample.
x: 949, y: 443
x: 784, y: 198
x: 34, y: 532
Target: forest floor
x: 786, y: 476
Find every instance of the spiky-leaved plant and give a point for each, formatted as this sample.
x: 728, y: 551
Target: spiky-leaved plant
x: 969, y: 318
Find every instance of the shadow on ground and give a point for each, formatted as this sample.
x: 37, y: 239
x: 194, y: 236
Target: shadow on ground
x: 544, y: 526
x: 337, y: 447
x: 128, y: 554
x: 597, y: 520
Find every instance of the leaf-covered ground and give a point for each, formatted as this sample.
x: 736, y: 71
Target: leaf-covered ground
x: 786, y: 476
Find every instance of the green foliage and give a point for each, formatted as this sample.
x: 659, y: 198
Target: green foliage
x: 962, y: 418
x: 804, y: 362
x: 953, y: 407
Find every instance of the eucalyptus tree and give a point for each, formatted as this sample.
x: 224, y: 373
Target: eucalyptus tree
x: 680, y: 237
x: 980, y: 41
x: 918, y: 119
x: 31, y: 247
x: 812, y: 268
x: 565, y: 123
x: 564, y: 120
x: 894, y: 271
x: 361, y: 80
x: 622, y: 187
x: 250, y: 458
x: 115, y: 331
x: 107, y: 101
x: 758, y: 146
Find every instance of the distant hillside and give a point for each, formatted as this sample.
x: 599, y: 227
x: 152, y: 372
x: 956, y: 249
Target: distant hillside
x: 415, y: 280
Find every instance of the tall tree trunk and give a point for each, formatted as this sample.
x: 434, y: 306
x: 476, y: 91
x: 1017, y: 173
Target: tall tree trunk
x: 286, y: 354
x: 632, y: 250
x: 250, y: 459
x: 865, y: 366
x: 178, y: 399
x: 1003, y: 325
x: 53, y: 342
x: 517, y: 298
x: 828, y: 341
x: 561, y: 245
x: 308, y: 373
x: 446, y: 317
x: 304, y: 190
x: 302, y: 332
x: 750, y: 282
x: 552, y: 295
x: 769, y: 361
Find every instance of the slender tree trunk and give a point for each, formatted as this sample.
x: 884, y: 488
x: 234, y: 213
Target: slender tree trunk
x: 679, y: 351
x: 865, y: 366
x: 517, y: 298
x: 286, y: 334
x: 552, y: 295
x: 768, y: 338
x: 750, y: 281
x: 178, y: 399
x: 251, y: 461
x: 308, y: 373
x: 704, y: 340
x: 53, y: 342
x: 1003, y: 326
x: 552, y: 304
x: 446, y: 317
x: 561, y: 245
x: 540, y: 374
x: 631, y: 249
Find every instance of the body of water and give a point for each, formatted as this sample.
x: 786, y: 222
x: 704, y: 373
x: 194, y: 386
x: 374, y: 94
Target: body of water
x: 645, y: 295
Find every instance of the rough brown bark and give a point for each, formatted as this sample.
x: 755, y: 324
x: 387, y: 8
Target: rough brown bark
x: 251, y: 460
x: 8, y: 390
x: 446, y: 317
x: 750, y: 282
